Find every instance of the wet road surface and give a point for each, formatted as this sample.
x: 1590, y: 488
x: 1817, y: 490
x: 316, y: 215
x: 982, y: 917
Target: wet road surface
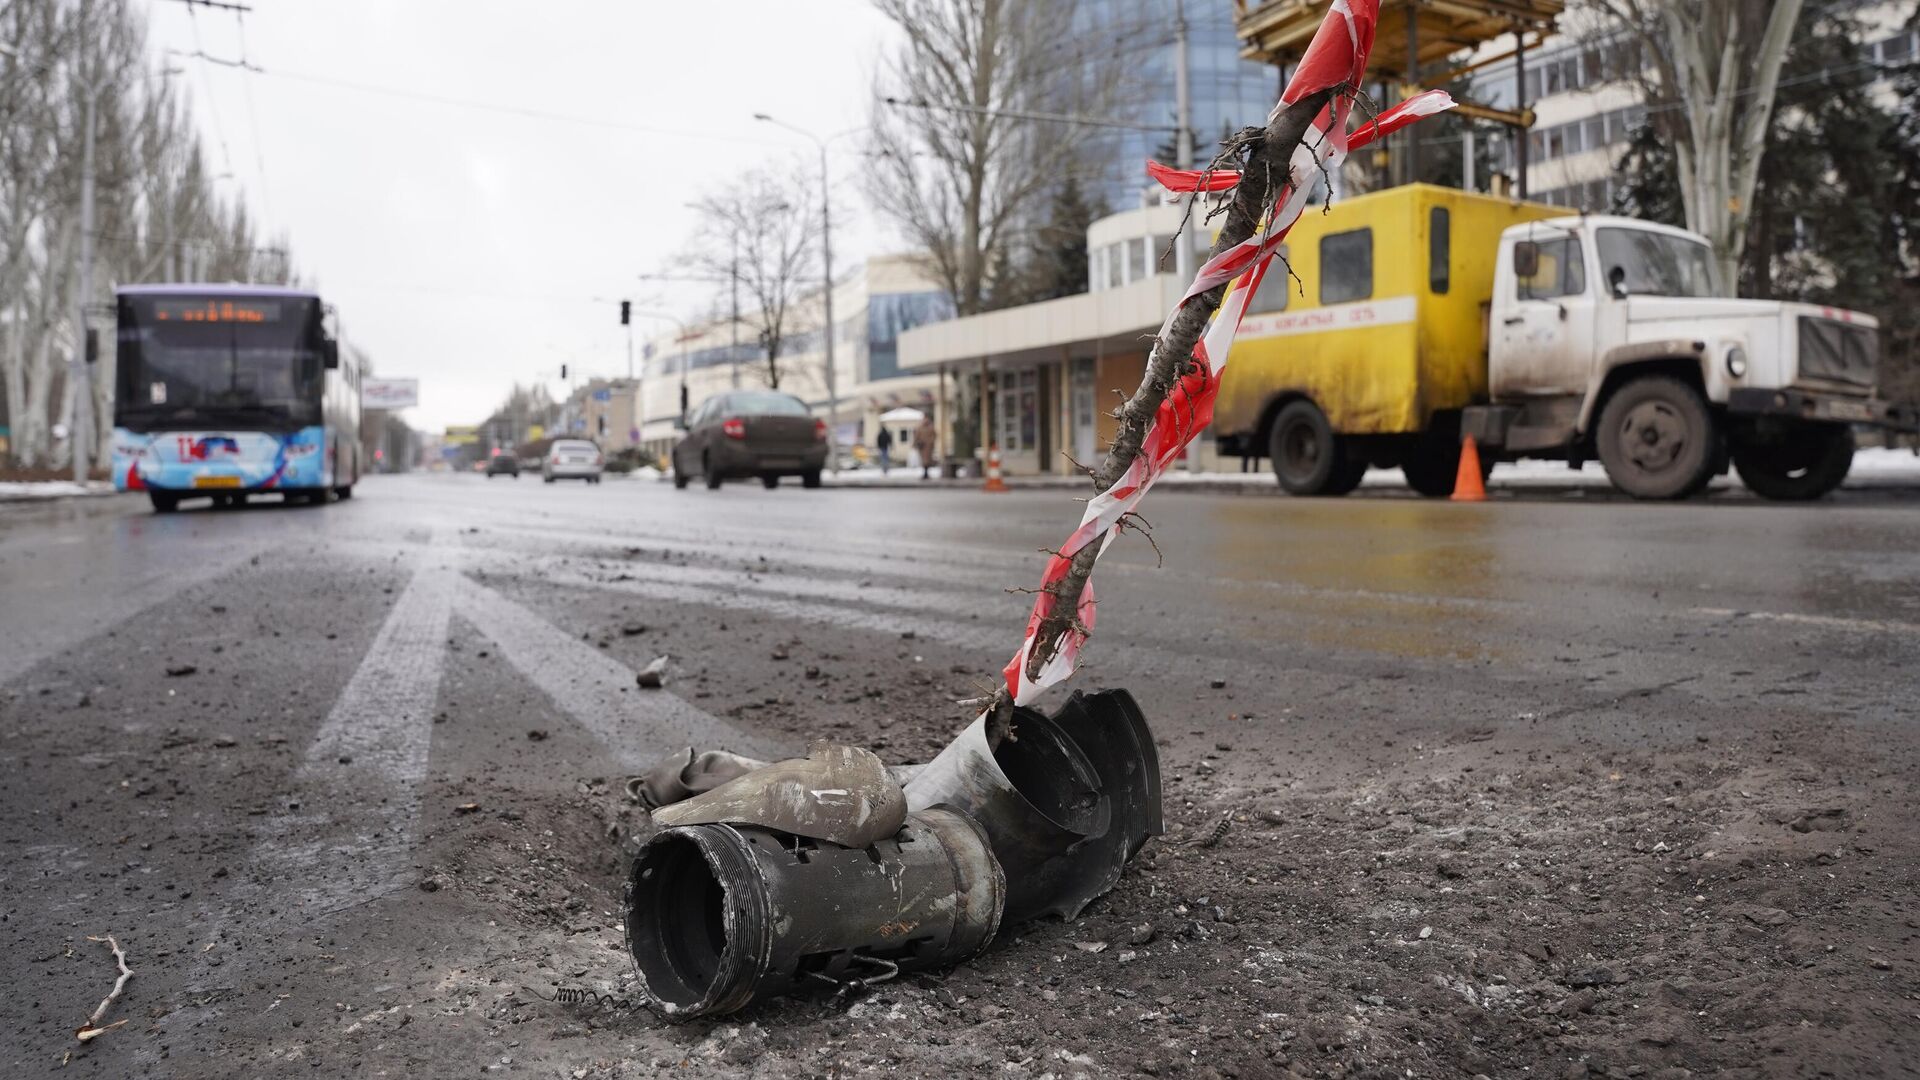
x: 343, y: 778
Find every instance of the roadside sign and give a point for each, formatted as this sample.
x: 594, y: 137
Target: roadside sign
x: 389, y: 393
x: 603, y: 395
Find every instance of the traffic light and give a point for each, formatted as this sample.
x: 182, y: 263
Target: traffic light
x: 626, y: 312
x: 563, y: 373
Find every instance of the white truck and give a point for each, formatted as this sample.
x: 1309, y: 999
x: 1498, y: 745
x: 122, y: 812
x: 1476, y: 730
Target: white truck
x: 1433, y: 312
x: 1610, y: 337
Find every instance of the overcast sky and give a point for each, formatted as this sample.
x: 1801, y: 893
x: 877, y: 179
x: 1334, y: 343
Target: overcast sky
x: 472, y: 247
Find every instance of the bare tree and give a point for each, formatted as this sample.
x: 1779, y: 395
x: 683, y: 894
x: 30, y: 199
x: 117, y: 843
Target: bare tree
x: 955, y: 168
x: 1715, y: 65
x: 766, y: 228
x: 158, y: 216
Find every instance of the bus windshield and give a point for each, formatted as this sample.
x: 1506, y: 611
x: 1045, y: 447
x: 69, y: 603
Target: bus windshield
x: 1658, y: 264
x: 219, y: 359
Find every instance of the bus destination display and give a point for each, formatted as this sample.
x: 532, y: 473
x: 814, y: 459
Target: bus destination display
x: 216, y: 311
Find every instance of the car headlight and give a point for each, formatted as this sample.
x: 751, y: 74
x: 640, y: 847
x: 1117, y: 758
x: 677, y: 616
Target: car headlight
x: 1736, y: 361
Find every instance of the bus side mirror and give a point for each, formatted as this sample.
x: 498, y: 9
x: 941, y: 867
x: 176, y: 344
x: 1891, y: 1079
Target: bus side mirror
x: 330, y: 354
x: 1617, y: 282
x: 1526, y: 258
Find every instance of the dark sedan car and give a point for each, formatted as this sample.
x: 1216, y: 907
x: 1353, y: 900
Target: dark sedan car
x: 503, y: 463
x: 747, y: 433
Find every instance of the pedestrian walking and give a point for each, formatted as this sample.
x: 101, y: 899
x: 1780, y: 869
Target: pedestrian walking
x: 924, y: 440
x: 885, y: 443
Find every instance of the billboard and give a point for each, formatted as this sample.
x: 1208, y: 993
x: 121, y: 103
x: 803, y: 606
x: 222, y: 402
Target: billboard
x: 389, y: 393
x: 462, y: 434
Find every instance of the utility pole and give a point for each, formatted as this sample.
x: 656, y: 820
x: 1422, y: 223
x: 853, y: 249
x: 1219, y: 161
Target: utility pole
x: 733, y: 277
x: 1183, y: 103
x: 826, y: 249
x: 80, y: 431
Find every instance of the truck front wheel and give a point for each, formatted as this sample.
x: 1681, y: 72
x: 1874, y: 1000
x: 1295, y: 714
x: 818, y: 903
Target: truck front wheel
x: 1656, y: 439
x: 1308, y: 458
x: 1803, y: 464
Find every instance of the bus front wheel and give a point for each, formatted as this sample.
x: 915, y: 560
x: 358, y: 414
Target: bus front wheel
x: 345, y: 493
x: 164, y: 502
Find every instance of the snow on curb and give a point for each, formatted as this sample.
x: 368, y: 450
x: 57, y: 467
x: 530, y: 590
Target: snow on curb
x: 30, y: 491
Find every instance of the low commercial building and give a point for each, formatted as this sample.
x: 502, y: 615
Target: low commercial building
x: 873, y: 305
x: 1054, y: 371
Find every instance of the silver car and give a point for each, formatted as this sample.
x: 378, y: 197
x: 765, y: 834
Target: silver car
x: 572, y: 459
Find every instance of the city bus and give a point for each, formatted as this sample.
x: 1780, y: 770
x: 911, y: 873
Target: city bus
x: 229, y: 391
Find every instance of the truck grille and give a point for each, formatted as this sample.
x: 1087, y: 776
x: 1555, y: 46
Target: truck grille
x: 1842, y: 352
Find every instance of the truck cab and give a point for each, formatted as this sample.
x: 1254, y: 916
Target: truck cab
x: 1613, y: 338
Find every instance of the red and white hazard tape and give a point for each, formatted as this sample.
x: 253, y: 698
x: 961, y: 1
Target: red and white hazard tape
x: 1337, y: 61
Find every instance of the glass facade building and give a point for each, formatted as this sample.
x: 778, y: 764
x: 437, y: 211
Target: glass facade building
x: 1227, y: 93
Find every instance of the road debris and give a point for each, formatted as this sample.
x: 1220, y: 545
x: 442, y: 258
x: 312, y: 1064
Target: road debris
x: 1067, y: 803
x: 93, y: 1029
x: 719, y: 915
x: 654, y: 675
x: 827, y: 872
x: 686, y: 773
x: 841, y: 794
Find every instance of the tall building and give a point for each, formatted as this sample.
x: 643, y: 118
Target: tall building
x: 1225, y: 93
x: 1582, y: 85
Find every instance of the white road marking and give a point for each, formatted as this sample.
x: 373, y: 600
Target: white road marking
x: 359, y: 786
x: 597, y: 691
x: 1831, y: 622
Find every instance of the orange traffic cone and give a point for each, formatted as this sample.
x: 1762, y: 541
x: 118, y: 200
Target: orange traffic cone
x: 994, y: 483
x: 1468, y: 485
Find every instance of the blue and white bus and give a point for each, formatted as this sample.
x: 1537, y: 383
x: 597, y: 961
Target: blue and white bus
x: 230, y: 391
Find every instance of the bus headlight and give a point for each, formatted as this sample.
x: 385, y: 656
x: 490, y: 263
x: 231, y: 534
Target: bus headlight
x: 1736, y: 361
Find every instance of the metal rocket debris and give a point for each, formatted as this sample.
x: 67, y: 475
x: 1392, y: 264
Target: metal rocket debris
x: 823, y: 872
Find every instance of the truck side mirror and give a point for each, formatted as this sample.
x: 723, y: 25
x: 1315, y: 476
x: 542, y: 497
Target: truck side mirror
x: 330, y: 354
x: 1617, y: 282
x: 1526, y: 258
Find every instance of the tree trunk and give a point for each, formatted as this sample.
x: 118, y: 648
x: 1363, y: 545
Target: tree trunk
x: 1171, y: 358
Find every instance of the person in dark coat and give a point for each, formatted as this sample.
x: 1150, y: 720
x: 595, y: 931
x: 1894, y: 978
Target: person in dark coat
x: 885, y: 443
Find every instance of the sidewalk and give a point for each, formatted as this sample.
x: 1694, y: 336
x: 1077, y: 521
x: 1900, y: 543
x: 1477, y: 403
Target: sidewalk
x: 1873, y: 468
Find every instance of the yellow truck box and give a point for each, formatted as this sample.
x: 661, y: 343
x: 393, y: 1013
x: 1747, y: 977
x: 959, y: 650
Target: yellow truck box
x: 1380, y: 326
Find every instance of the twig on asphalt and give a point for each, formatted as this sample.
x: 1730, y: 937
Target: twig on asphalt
x: 92, y: 1029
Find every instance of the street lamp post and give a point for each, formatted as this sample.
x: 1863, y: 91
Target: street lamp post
x: 826, y: 251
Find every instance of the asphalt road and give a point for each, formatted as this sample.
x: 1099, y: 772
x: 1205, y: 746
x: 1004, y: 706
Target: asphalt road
x: 1540, y: 786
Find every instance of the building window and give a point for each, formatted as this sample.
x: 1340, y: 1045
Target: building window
x: 1561, y: 271
x: 1017, y: 412
x: 1140, y: 264
x: 1157, y: 248
x: 1439, y: 249
x: 1116, y: 265
x: 1346, y: 266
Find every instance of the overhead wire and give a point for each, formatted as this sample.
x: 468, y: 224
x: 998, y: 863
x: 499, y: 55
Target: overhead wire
x: 206, y: 79
x: 247, y: 71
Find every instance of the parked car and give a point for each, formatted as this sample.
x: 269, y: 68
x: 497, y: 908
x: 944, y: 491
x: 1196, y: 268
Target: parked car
x: 503, y: 464
x: 747, y: 433
x: 572, y: 459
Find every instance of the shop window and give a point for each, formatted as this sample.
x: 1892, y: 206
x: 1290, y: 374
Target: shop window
x: 1017, y: 410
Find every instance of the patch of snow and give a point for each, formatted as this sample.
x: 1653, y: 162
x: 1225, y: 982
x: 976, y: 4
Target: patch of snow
x: 12, y: 491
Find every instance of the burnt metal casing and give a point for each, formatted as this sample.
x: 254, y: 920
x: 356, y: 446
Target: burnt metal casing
x: 1066, y: 801
x: 720, y: 915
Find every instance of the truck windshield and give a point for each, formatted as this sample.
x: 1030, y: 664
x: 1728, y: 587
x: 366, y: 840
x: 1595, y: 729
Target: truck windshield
x: 200, y: 360
x: 1658, y: 264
